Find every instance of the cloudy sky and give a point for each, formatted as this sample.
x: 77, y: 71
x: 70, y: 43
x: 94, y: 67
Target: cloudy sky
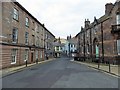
x: 65, y: 17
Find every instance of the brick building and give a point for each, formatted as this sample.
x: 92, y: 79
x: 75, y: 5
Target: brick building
x: 100, y: 40
x: 49, y: 47
x: 23, y: 36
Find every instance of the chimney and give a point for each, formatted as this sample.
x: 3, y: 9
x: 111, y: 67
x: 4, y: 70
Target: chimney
x: 108, y: 8
x: 87, y: 23
x: 81, y: 28
x: 70, y: 36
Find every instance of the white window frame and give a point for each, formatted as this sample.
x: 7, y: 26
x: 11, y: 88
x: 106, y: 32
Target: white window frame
x: 14, y: 35
x: 27, y: 21
x: 41, y: 54
x: 15, y: 14
x: 26, y: 37
x: 118, y: 19
x: 14, y: 54
x: 118, y: 47
x: 26, y: 55
x: 88, y: 49
x: 36, y: 54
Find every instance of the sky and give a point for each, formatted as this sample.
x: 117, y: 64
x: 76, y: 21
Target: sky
x: 65, y: 17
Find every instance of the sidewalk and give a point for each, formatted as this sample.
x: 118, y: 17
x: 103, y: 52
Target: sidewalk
x: 103, y: 67
x: 8, y: 71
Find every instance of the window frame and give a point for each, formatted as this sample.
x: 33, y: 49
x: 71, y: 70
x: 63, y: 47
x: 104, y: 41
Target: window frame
x: 13, y: 55
x: 118, y: 46
x: 26, y: 37
x: 36, y: 54
x: 14, y: 35
x: 118, y: 19
x: 15, y: 14
x: 27, y: 22
x: 26, y: 54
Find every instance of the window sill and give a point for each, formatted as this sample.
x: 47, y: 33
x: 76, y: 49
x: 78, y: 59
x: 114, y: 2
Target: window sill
x: 13, y: 63
x: 16, y: 19
x: 27, y: 26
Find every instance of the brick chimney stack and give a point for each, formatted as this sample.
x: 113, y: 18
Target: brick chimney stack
x: 108, y: 8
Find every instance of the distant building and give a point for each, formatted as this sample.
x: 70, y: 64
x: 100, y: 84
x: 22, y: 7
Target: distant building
x: 101, y: 38
x: 58, y: 48
x: 70, y: 45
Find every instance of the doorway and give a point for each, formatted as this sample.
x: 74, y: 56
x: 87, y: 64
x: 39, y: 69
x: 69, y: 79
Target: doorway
x: 31, y: 57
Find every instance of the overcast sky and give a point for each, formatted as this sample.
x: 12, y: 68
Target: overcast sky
x: 65, y: 17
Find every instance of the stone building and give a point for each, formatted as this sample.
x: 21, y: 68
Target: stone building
x: 22, y: 36
x: 100, y: 40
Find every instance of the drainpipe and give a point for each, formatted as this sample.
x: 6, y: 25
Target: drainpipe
x: 84, y: 44
x: 102, y: 42
x: 91, y: 45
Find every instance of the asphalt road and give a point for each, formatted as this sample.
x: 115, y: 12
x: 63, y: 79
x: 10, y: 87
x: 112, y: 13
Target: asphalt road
x: 60, y: 73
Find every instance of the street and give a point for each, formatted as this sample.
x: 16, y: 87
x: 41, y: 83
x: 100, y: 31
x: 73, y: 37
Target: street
x: 60, y: 73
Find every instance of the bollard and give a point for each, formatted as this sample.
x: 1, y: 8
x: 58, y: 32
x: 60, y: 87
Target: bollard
x: 36, y: 61
x: 98, y: 63
x: 26, y: 63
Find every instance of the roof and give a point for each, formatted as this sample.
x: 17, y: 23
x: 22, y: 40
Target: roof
x: 117, y: 0
x: 57, y: 44
x: 72, y: 40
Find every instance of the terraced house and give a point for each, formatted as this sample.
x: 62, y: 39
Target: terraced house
x: 100, y: 40
x: 23, y: 36
x: 49, y: 47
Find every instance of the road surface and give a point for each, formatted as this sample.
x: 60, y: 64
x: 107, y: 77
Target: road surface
x: 60, y: 73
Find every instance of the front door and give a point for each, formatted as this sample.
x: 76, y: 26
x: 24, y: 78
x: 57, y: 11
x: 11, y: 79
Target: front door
x: 31, y: 57
x: 97, y: 51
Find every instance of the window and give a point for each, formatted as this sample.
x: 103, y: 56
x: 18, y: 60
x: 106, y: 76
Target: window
x: 15, y: 14
x: 118, y: 46
x: 14, y: 56
x: 15, y: 35
x: 88, y: 49
x: 41, y: 55
x: 37, y: 41
x: 37, y: 28
x: 118, y: 19
x: 82, y: 49
x: 26, y: 55
x: 57, y: 48
x: 26, y: 37
x: 87, y: 34
x: 36, y: 55
x: 33, y: 40
x: 95, y: 31
x: 27, y: 22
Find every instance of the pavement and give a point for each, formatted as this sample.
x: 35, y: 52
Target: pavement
x: 114, y: 69
x: 8, y: 71
x: 60, y: 73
